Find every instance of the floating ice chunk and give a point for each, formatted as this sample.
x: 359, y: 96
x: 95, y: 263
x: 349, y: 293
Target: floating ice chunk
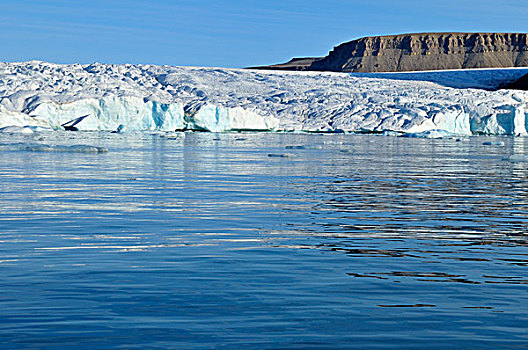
x: 12, y: 146
x: 493, y: 143
x: 280, y: 155
x: 40, y: 128
x: 304, y: 147
x: 16, y: 130
x: 24, y: 129
x: 432, y: 134
x: 518, y: 158
x: 80, y: 149
x: 51, y: 148
x: 391, y: 133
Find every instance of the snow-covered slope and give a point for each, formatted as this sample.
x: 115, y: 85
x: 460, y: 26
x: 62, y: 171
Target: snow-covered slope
x: 145, y: 97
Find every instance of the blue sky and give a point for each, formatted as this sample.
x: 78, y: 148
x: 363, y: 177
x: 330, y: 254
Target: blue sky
x: 228, y: 33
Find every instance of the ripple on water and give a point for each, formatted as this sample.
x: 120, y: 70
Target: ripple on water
x: 196, y: 239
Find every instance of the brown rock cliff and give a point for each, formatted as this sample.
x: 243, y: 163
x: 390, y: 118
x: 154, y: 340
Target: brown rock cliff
x: 422, y: 51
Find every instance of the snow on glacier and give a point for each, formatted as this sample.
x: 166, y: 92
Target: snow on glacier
x: 36, y: 95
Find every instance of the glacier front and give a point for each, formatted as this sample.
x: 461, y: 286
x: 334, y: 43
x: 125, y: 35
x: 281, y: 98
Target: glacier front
x: 38, y: 95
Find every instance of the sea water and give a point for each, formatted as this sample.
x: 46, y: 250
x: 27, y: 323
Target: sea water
x: 261, y: 240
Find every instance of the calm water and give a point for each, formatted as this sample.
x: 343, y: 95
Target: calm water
x: 204, y: 240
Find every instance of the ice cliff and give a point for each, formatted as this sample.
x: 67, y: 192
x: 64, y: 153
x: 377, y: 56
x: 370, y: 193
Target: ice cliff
x: 38, y: 95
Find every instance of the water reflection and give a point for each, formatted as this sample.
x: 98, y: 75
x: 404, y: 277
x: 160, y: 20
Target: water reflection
x: 348, y: 235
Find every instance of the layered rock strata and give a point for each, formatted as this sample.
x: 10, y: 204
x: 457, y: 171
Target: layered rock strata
x: 422, y: 51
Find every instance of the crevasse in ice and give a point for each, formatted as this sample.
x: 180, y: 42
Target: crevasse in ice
x: 36, y: 95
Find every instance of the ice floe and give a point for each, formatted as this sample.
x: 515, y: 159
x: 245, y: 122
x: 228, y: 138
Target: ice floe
x: 30, y: 147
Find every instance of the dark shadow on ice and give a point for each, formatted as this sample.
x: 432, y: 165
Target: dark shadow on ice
x: 70, y: 126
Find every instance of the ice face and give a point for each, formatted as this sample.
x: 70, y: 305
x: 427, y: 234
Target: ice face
x: 217, y: 118
x: 108, y: 113
x: 144, y: 97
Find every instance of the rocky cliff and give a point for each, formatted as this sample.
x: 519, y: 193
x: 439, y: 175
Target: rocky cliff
x: 301, y: 63
x: 423, y: 51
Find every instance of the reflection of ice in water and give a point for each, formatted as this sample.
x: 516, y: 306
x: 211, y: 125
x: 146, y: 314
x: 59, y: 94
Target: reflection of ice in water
x: 519, y: 151
x: 195, y: 229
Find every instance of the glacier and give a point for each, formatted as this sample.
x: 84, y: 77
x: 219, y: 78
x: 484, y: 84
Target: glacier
x: 36, y: 96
